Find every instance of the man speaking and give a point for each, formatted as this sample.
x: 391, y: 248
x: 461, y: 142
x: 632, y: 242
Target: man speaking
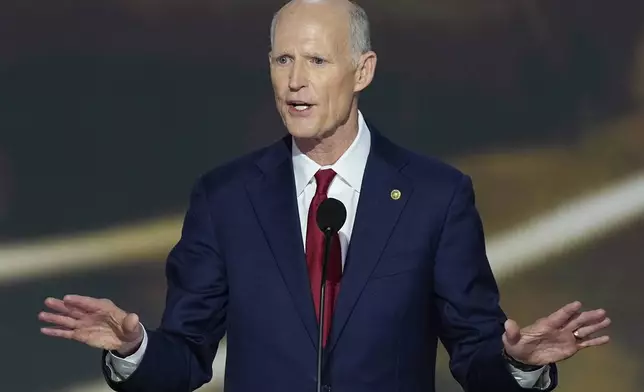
x: 408, y: 265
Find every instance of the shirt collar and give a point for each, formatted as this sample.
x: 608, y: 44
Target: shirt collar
x: 349, y: 168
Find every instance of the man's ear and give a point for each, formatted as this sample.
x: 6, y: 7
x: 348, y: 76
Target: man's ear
x: 365, y: 71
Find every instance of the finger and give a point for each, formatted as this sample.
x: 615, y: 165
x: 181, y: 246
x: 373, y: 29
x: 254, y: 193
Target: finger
x: 561, y: 317
x: 58, y: 319
x: 598, y: 341
x: 586, y: 331
x: 512, y: 333
x: 87, y: 304
x: 586, y: 318
x: 60, y: 307
x: 131, y: 325
x: 574, y: 317
x: 57, y: 332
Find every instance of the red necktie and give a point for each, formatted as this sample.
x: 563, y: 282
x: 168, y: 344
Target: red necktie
x: 315, y: 255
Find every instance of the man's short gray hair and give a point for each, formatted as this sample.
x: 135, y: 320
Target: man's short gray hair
x: 358, y: 29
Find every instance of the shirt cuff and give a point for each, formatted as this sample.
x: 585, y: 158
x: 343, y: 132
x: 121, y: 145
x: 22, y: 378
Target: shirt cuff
x: 537, y: 379
x: 122, y: 368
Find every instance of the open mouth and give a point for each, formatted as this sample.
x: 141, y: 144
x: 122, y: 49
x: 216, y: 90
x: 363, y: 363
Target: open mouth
x: 299, y: 106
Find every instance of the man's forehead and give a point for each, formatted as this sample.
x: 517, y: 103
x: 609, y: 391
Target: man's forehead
x: 323, y: 18
x: 311, y: 36
x: 333, y: 12
x: 338, y: 4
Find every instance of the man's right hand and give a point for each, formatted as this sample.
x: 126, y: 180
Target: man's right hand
x: 96, y: 322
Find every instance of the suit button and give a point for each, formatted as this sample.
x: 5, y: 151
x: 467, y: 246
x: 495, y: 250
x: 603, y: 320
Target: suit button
x: 326, y: 388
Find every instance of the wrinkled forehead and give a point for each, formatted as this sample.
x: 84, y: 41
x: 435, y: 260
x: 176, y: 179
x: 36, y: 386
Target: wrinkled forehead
x: 322, y: 20
x: 312, y: 29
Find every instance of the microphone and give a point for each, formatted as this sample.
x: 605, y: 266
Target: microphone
x: 331, y: 215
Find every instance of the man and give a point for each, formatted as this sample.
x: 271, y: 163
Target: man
x: 249, y: 259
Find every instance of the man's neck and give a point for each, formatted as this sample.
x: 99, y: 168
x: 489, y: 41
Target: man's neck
x: 328, y: 150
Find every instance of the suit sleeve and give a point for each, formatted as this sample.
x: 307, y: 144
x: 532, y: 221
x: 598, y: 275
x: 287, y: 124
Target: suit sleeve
x: 467, y: 301
x: 180, y: 353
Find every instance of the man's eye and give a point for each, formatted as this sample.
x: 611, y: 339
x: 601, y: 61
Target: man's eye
x: 282, y: 60
x: 318, y: 61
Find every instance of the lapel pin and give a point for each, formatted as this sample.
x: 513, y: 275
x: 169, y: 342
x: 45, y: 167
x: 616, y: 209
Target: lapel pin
x: 395, y: 194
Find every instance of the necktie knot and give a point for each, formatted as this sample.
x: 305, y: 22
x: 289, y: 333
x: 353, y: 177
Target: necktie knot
x: 323, y: 180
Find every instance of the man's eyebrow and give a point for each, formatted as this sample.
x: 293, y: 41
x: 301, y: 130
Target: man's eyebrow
x: 316, y: 54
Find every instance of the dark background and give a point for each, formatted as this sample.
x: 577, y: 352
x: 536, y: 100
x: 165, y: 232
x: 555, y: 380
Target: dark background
x: 110, y: 109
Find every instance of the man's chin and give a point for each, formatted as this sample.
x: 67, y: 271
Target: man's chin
x: 307, y: 137
x: 301, y: 131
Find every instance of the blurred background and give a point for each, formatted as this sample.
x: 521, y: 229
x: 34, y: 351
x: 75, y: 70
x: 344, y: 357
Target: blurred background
x: 110, y: 109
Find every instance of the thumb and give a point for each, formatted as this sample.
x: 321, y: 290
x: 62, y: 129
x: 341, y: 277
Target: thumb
x: 512, y: 332
x: 131, y: 326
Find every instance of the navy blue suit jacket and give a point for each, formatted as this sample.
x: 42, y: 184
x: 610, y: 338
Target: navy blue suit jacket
x: 416, y: 271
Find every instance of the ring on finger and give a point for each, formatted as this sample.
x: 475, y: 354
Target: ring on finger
x: 575, y: 333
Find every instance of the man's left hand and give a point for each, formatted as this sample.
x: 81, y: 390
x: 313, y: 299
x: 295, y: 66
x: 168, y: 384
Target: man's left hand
x: 556, y: 337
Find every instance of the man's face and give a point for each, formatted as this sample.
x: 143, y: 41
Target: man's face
x: 313, y: 75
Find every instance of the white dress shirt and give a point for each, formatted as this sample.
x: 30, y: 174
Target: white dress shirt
x: 346, y: 186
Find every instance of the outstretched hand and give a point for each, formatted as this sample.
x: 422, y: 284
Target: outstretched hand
x: 556, y: 337
x: 96, y: 322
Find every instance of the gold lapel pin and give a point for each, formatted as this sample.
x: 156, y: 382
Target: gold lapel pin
x: 395, y: 194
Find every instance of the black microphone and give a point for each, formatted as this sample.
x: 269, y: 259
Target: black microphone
x: 331, y: 216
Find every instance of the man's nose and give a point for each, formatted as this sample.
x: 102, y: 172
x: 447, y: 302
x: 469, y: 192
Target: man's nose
x: 298, y: 77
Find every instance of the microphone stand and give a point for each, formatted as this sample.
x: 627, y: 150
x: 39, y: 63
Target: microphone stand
x: 327, y: 247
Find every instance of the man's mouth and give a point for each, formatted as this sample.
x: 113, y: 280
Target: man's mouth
x: 300, y: 106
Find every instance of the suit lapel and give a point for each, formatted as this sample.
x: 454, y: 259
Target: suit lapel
x: 376, y: 216
x: 275, y: 203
